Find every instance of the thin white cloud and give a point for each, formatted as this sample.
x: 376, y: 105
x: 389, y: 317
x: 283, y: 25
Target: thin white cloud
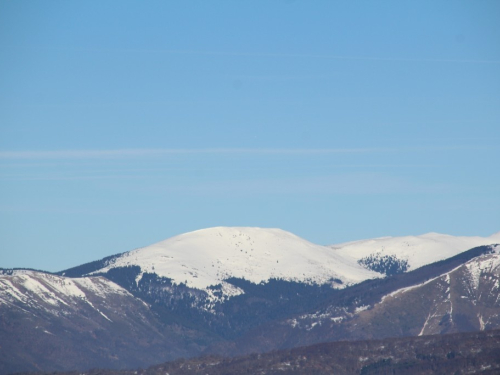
x: 332, y: 57
x: 127, y: 153
x: 286, y: 55
x: 70, y: 178
x: 134, y: 153
x: 155, y: 173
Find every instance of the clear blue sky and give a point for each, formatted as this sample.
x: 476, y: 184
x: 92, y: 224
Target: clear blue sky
x: 124, y: 123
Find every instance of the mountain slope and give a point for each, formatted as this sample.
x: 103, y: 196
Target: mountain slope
x: 222, y: 278
x: 229, y: 279
x: 209, y: 257
x: 462, y: 353
x: 450, y: 296
x: 46, y: 292
x: 391, y: 255
x: 234, y: 291
x: 49, y: 323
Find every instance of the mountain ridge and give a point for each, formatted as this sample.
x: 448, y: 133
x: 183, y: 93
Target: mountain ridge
x: 412, y: 251
x: 357, y: 312
x: 208, y: 257
x: 259, y: 314
x: 259, y: 254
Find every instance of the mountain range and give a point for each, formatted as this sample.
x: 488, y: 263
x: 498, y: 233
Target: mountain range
x: 234, y: 291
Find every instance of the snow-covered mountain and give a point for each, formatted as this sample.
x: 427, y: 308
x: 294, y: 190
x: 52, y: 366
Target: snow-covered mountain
x: 400, y: 254
x: 49, y: 322
x: 53, y: 294
x: 456, y: 295
x: 208, y: 257
x: 206, y: 260
x: 225, y: 290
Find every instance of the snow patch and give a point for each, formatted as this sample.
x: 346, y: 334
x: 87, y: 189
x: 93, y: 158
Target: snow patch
x: 361, y: 308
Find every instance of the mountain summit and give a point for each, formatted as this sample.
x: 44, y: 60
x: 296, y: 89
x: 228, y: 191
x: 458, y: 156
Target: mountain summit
x: 241, y: 290
x: 208, y: 257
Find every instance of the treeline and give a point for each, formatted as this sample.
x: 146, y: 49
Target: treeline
x: 461, y: 353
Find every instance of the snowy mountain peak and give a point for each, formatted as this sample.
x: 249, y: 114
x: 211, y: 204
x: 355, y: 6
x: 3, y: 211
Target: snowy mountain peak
x: 236, y: 236
x: 413, y: 251
x: 207, y: 257
x: 495, y: 236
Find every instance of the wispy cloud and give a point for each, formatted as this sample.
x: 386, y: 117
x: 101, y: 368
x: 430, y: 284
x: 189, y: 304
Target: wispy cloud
x: 282, y: 55
x: 325, y: 56
x: 134, y: 153
x: 158, y: 173
x: 127, y: 153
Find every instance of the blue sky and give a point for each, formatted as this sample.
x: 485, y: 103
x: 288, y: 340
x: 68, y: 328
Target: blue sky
x: 124, y: 123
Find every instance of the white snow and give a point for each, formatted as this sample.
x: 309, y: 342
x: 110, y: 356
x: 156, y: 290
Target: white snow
x: 444, y: 276
x: 486, y: 263
x: 99, y: 286
x: 481, y: 322
x: 476, y: 267
x: 417, y: 250
x: 312, y: 326
x: 209, y: 256
x: 45, y: 291
x: 361, y: 308
x: 422, y: 331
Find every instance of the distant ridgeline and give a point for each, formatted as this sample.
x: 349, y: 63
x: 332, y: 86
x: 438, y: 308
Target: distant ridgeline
x: 87, y: 268
x: 449, y: 354
x: 235, y: 291
x: 11, y: 271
